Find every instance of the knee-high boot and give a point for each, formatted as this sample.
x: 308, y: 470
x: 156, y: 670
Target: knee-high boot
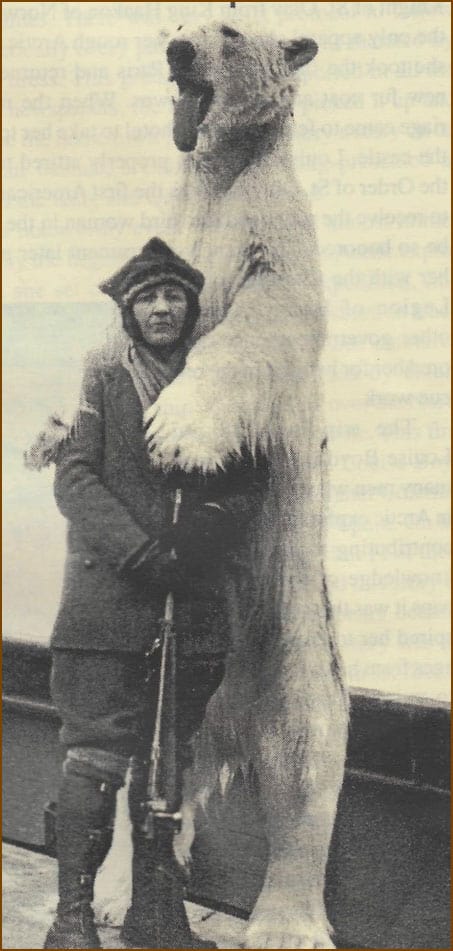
x: 86, y: 809
x: 157, y: 916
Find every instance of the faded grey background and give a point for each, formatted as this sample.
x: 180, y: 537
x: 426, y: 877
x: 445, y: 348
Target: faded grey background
x: 88, y: 166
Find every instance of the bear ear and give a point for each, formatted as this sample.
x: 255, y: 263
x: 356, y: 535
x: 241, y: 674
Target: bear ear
x: 298, y: 52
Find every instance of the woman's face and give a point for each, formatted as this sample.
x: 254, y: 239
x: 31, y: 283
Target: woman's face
x: 160, y: 312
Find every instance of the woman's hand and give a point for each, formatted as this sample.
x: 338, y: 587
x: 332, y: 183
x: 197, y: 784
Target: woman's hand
x: 159, y: 572
x: 203, y: 535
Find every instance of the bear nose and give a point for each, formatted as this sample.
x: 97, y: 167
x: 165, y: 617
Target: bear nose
x: 181, y: 53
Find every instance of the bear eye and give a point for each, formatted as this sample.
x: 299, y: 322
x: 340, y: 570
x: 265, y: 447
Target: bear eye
x: 228, y: 31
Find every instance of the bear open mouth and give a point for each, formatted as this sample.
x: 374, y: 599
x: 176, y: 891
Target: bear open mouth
x: 190, y: 109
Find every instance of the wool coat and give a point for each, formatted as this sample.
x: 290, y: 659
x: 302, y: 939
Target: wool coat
x: 115, y: 503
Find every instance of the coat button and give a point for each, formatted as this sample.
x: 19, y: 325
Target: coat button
x: 88, y: 563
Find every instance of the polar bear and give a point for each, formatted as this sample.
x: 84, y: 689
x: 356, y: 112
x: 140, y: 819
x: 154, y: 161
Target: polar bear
x: 252, y: 375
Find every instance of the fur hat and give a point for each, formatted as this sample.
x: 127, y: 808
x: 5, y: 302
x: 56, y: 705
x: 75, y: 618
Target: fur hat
x: 155, y: 264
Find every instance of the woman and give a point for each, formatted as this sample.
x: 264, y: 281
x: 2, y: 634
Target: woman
x: 119, y: 568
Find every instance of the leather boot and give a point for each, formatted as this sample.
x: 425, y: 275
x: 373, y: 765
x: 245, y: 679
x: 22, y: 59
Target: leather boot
x: 85, y: 816
x: 157, y: 916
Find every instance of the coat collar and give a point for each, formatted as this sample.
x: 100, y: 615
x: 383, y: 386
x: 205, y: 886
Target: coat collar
x: 126, y: 409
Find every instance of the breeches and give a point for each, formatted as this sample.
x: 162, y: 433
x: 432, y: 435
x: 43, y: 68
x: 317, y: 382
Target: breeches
x: 108, y: 709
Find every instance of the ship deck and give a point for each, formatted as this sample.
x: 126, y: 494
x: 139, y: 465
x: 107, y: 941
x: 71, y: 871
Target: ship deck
x: 29, y: 897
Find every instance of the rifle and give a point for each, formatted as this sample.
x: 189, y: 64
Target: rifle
x: 162, y: 817
x: 162, y: 792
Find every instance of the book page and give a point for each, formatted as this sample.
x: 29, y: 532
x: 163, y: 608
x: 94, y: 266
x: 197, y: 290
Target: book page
x: 89, y: 166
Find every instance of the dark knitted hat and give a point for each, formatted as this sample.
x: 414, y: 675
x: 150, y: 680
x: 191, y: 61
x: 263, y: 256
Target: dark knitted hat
x: 155, y: 264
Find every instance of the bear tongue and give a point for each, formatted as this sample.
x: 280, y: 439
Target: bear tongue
x: 185, y: 120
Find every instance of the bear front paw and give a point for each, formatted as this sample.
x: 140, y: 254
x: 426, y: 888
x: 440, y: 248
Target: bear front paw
x: 183, y: 429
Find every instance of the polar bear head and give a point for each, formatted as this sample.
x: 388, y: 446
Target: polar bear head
x: 229, y: 81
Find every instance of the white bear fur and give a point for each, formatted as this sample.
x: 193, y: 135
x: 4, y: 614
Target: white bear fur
x: 253, y: 375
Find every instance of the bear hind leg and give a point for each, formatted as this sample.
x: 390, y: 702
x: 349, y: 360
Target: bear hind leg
x: 299, y: 801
